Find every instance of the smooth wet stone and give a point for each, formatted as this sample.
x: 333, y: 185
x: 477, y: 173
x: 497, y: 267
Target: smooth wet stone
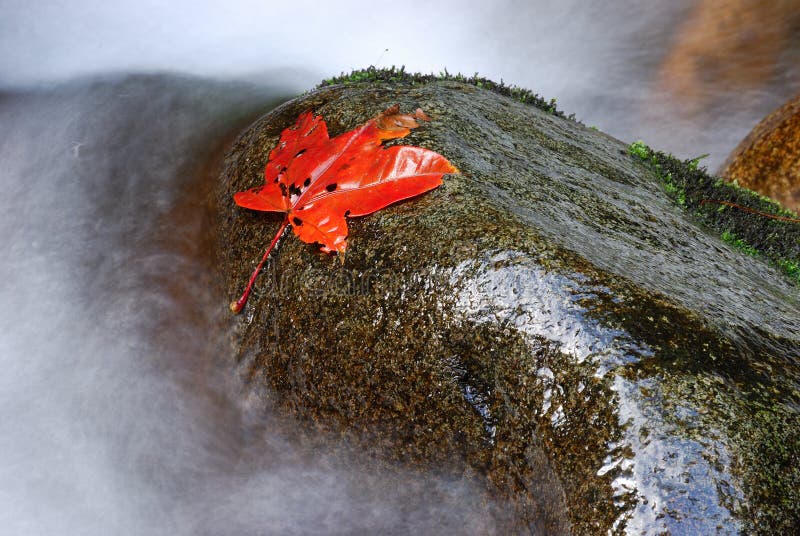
x: 768, y: 159
x: 547, y: 324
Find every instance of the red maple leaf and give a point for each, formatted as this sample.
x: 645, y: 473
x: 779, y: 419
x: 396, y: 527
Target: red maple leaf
x: 318, y: 181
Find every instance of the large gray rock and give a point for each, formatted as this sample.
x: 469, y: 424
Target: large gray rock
x: 548, y: 323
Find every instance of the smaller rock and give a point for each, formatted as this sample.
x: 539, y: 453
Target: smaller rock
x: 768, y: 159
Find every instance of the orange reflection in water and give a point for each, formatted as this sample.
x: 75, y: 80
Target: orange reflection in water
x: 730, y: 46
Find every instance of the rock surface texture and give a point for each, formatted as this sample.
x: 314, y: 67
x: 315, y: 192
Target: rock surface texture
x: 548, y: 323
x: 768, y: 159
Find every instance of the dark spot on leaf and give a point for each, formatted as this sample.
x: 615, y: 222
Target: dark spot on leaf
x: 297, y: 221
x: 331, y: 187
x: 346, y: 213
x: 283, y: 189
x: 299, y: 153
x: 307, y: 182
x: 294, y: 190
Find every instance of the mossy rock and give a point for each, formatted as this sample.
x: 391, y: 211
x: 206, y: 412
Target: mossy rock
x: 548, y: 323
x: 768, y: 159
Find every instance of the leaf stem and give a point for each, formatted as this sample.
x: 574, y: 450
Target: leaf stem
x: 751, y: 210
x: 236, y: 306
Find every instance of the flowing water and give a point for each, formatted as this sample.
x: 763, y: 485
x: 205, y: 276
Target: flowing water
x: 116, y: 414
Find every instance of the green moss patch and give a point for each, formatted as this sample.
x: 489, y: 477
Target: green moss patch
x: 693, y: 188
x: 373, y: 74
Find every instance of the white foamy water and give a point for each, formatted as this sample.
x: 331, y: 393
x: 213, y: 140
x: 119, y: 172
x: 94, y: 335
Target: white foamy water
x: 113, y: 418
x: 116, y: 416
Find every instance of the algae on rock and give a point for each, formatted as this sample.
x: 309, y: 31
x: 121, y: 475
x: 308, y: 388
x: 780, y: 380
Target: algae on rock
x: 548, y: 322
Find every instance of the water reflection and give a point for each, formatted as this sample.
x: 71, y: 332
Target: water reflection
x: 663, y: 480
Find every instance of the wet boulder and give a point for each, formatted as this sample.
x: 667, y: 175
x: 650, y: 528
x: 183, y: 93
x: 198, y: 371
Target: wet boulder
x: 768, y: 159
x: 548, y: 324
